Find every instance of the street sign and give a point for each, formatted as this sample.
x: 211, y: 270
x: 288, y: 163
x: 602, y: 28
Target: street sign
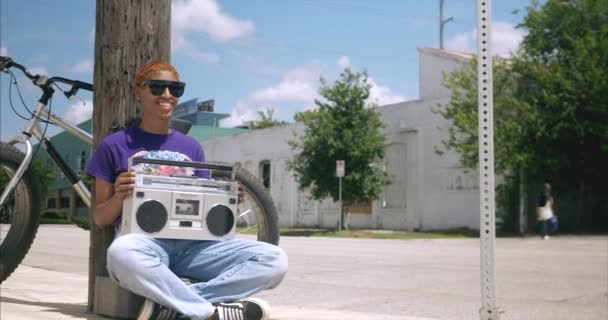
x: 340, y: 168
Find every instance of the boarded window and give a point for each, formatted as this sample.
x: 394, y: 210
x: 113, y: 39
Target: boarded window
x: 360, y: 207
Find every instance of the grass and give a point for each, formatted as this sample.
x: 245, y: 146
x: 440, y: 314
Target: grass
x: 374, y: 234
x: 380, y: 234
x: 54, y: 221
x: 54, y: 216
x: 59, y: 216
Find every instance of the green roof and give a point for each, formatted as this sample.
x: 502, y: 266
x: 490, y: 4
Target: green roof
x: 202, y: 133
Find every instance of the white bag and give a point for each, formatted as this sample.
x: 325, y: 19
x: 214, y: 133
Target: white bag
x: 544, y: 213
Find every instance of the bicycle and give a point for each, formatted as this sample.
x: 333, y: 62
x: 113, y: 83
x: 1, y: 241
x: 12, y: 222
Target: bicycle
x: 20, y: 200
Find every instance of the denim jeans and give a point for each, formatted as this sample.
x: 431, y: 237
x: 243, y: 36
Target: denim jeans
x: 544, y: 227
x: 228, y: 270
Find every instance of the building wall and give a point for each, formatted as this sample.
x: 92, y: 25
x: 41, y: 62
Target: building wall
x: 429, y: 191
x: 440, y: 193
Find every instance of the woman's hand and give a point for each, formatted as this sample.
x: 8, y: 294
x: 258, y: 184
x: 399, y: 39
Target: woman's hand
x: 241, y: 192
x: 124, y: 184
x: 109, y: 198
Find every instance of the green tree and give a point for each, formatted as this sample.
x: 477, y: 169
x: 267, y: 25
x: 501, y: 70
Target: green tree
x: 511, y: 118
x: 550, y: 110
x: 44, y: 173
x: 342, y: 127
x: 564, y: 60
x: 267, y: 120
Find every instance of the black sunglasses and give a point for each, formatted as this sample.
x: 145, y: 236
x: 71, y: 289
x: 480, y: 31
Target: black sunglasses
x: 157, y: 87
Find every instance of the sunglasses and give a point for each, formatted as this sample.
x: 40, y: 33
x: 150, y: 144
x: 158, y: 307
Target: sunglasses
x: 158, y: 87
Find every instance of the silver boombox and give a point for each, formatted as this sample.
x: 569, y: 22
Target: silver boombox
x: 174, y: 207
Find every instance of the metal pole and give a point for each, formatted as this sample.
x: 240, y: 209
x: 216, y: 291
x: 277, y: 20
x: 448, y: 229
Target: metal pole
x: 522, y: 202
x: 487, y: 227
x: 341, y: 205
x: 442, y: 22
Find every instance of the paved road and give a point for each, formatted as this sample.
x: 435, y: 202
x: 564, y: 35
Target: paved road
x: 337, y: 279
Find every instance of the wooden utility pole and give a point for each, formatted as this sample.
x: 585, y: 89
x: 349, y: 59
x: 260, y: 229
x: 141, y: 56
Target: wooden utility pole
x: 127, y: 34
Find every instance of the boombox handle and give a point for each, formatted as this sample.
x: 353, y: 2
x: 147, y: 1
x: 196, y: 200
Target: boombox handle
x: 189, y: 164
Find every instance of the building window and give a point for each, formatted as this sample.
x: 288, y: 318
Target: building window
x: 265, y: 173
x: 206, y: 106
x: 65, y: 202
x: 51, y: 203
x: 81, y: 162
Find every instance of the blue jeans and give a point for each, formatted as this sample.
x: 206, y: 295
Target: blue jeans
x: 228, y: 270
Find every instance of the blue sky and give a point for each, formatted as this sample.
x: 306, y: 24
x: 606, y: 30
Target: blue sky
x: 252, y: 55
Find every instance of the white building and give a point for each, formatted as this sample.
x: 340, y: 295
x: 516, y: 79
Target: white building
x: 429, y: 191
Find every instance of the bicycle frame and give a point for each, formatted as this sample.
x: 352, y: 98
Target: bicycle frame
x: 33, y: 129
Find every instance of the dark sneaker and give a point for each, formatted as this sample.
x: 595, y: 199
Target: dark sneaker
x: 246, y: 309
x: 151, y: 310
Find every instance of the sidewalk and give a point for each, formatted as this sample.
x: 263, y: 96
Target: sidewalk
x: 35, y: 293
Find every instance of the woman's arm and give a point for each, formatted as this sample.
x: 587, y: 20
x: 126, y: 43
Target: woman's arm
x: 109, y: 198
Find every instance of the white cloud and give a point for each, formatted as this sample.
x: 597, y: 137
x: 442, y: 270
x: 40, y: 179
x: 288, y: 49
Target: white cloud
x: 505, y: 39
x: 298, y: 87
x: 240, y: 113
x: 297, y: 91
x: 288, y: 90
x: 79, y: 112
x: 464, y: 42
x: 205, y: 16
x: 378, y: 94
x: 85, y: 66
x: 344, y: 62
x: 382, y: 95
x: 3, y: 51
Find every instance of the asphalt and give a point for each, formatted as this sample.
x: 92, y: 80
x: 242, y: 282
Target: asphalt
x: 359, y: 279
x: 36, y: 293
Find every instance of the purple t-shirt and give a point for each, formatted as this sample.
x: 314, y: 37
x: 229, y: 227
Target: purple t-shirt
x: 113, y: 152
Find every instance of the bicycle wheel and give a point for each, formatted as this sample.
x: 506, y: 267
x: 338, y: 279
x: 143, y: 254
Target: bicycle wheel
x: 257, y: 213
x: 20, y: 214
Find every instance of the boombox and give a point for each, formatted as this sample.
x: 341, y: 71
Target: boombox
x: 177, y: 207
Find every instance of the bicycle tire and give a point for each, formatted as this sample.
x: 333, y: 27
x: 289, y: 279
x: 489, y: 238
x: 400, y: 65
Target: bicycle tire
x: 26, y: 212
x: 256, y: 194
